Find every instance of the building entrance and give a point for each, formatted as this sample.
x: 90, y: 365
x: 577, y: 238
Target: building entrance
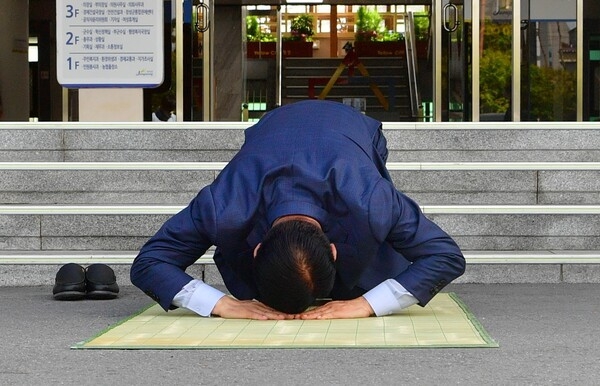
x: 449, y: 60
x: 302, y: 51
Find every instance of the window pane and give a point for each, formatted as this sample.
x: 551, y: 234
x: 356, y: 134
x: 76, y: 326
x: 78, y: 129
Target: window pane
x: 495, y: 67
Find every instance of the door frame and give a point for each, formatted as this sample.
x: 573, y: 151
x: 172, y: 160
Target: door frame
x: 437, y: 20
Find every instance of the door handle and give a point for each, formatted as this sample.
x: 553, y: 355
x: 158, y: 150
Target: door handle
x: 450, y: 15
x: 204, y: 10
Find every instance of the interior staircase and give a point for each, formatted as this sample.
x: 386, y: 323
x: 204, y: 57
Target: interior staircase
x: 305, y: 78
x: 521, y: 199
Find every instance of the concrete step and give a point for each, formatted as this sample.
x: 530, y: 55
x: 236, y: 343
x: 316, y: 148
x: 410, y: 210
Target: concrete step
x: 444, y: 183
x: 104, y: 182
x: 520, y: 198
x: 494, y: 142
x: 219, y: 141
x: 20, y: 257
x: 106, y: 142
x: 26, y: 268
x: 127, y: 227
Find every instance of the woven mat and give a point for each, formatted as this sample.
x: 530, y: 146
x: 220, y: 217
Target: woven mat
x: 444, y: 322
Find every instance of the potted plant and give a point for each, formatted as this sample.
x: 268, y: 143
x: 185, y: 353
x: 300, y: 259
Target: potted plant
x: 299, y: 42
x: 262, y: 45
x: 259, y: 44
x: 301, y: 28
x: 372, y: 38
x: 368, y: 24
x: 254, y: 33
x: 252, y: 28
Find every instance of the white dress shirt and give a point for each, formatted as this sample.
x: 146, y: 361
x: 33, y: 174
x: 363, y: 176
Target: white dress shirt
x: 385, y: 299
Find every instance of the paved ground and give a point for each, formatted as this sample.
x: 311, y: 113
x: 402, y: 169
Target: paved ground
x: 549, y: 334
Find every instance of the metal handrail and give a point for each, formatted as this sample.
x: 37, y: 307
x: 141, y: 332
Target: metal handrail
x: 411, y: 61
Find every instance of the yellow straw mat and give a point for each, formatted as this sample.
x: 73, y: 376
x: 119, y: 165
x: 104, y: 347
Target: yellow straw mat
x: 444, y: 322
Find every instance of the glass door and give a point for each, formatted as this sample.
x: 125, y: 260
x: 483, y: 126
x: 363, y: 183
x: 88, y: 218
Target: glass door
x: 589, y: 107
x: 496, y: 61
x: 192, y: 60
x: 548, y: 60
x: 453, y: 52
x: 262, y: 60
x: 199, y: 58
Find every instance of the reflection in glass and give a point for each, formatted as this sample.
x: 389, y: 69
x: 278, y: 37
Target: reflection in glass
x: 549, y: 71
x: 495, y: 62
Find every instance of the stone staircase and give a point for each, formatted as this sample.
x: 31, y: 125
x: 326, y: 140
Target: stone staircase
x: 521, y: 199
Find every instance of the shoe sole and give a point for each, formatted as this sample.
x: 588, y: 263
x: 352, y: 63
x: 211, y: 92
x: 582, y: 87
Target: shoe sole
x: 101, y: 295
x: 69, y: 295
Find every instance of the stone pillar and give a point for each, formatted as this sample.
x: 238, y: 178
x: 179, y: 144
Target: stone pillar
x: 14, y: 62
x: 227, y: 71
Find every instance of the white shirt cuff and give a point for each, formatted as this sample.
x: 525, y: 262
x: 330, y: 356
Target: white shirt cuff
x: 198, y: 296
x: 389, y: 297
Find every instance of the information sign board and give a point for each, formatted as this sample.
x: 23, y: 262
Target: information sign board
x: 105, y: 44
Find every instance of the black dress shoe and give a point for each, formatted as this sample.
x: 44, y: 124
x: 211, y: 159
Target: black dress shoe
x: 101, y: 282
x: 70, y: 282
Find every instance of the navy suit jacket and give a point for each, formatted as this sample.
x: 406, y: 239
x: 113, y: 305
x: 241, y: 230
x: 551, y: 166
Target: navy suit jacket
x: 316, y: 158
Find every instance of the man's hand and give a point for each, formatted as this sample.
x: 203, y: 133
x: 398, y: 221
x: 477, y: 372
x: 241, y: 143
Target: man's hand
x: 228, y: 307
x: 340, y: 309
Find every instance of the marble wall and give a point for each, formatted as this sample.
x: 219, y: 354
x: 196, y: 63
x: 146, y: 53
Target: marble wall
x: 228, y: 63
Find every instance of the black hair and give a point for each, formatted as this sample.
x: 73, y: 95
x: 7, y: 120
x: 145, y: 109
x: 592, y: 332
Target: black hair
x: 167, y: 103
x: 294, y: 266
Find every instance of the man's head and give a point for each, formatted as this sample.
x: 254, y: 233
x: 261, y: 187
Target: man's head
x: 294, y: 265
x: 167, y: 103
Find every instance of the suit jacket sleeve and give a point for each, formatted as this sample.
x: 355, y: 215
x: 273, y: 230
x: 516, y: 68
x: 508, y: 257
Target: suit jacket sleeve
x: 436, y: 258
x: 159, y: 268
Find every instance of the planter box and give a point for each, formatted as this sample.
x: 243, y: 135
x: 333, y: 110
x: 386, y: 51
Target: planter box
x: 366, y: 49
x: 261, y: 50
x: 422, y: 46
x: 298, y: 49
x: 267, y: 50
x: 389, y: 49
